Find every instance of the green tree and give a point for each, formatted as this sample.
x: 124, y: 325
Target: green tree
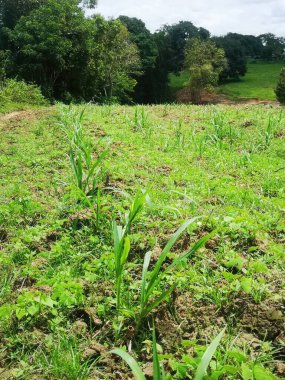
x: 113, y: 61
x: 148, y: 51
x: 49, y: 47
x: 273, y: 46
x: 177, y: 36
x: 251, y: 45
x: 205, y: 61
x: 12, y: 10
x: 280, y: 88
x: 236, y: 57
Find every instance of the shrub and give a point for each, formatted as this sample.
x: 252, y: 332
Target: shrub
x: 280, y: 88
x: 15, y: 91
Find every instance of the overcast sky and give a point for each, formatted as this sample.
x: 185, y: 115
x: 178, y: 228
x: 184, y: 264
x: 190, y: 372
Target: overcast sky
x: 218, y: 16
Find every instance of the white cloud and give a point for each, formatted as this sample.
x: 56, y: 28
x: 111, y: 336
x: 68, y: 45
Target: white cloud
x: 219, y: 16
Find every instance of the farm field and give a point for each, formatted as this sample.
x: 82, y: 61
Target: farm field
x: 74, y: 285
x: 258, y: 83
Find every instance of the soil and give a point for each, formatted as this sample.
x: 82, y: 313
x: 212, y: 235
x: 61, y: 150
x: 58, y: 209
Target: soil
x: 12, y: 119
x: 184, y: 96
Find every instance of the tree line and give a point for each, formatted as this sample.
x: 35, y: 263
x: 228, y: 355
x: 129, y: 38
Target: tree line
x: 72, y: 57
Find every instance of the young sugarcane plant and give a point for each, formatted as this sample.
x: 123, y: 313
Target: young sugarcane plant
x: 151, y: 280
x: 158, y: 370
x: 122, y: 242
x: 85, y: 168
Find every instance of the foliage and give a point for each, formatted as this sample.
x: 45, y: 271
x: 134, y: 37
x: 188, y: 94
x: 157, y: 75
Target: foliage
x: 177, y: 36
x: 152, y: 280
x: 19, y: 92
x: 122, y: 244
x: 207, y: 357
x: 113, y: 61
x: 72, y: 57
x: 273, y: 46
x: 280, y: 89
x: 84, y: 166
x: 205, y: 62
x: 50, y: 53
x: 148, y: 51
x: 158, y: 370
x: 236, y: 57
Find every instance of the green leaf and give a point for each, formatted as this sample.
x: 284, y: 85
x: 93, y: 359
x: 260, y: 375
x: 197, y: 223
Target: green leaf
x: 208, y: 355
x: 156, y: 366
x: 132, y: 363
x: 193, y: 250
x: 246, y: 284
x: 144, y: 275
x: 147, y: 309
x: 261, y: 374
x: 164, y: 254
x: 246, y: 372
x: 126, y: 250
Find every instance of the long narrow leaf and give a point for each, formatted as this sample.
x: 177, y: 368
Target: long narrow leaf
x: 96, y: 164
x: 156, y: 366
x: 164, y: 254
x: 192, y: 251
x: 136, y: 208
x: 144, y: 275
x: 146, y: 309
x: 132, y: 363
x: 208, y: 355
x: 125, y: 251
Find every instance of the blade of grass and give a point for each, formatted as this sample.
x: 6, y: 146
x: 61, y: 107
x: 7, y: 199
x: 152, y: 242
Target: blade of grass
x: 132, y: 363
x: 208, y: 355
x: 146, y: 309
x: 193, y: 250
x: 156, y: 365
x: 144, y: 275
x: 164, y: 253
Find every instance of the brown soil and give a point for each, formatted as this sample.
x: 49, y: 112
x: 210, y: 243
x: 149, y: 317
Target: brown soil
x: 13, y: 119
x: 192, y: 319
x: 184, y: 96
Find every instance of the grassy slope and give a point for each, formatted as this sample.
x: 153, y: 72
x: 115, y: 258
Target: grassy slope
x: 216, y: 162
x: 258, y: 83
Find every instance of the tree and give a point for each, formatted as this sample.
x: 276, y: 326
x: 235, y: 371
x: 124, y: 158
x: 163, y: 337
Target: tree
x: 72, y: 57
x: 273, y: 47
x: 205, y: 61
x: 49, y: 47
x: 148, y: 51
x: 113, y: 61
x: 280, y: 88
x: 177, y: 36
x: 12, y: 10
x: 236, y: 57
x: 251, y: 45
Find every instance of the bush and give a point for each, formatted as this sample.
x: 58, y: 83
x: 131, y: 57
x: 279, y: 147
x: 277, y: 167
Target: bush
x: 280, y: 89
x: 14, y: 91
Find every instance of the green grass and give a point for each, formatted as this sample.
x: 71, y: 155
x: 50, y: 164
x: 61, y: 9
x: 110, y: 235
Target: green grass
x: 177, y: 82
x: 258, y: 83
x: 58, y: 262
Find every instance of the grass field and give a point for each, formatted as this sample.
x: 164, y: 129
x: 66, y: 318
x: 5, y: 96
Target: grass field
x: 72, y: 282
x: 259, y: 82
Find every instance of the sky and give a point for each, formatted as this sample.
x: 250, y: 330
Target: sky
x: 218, y: 16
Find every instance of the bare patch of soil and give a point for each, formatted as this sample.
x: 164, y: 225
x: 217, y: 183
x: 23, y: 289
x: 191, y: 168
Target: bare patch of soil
x: 184, y: 96
x: 12, y: 119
